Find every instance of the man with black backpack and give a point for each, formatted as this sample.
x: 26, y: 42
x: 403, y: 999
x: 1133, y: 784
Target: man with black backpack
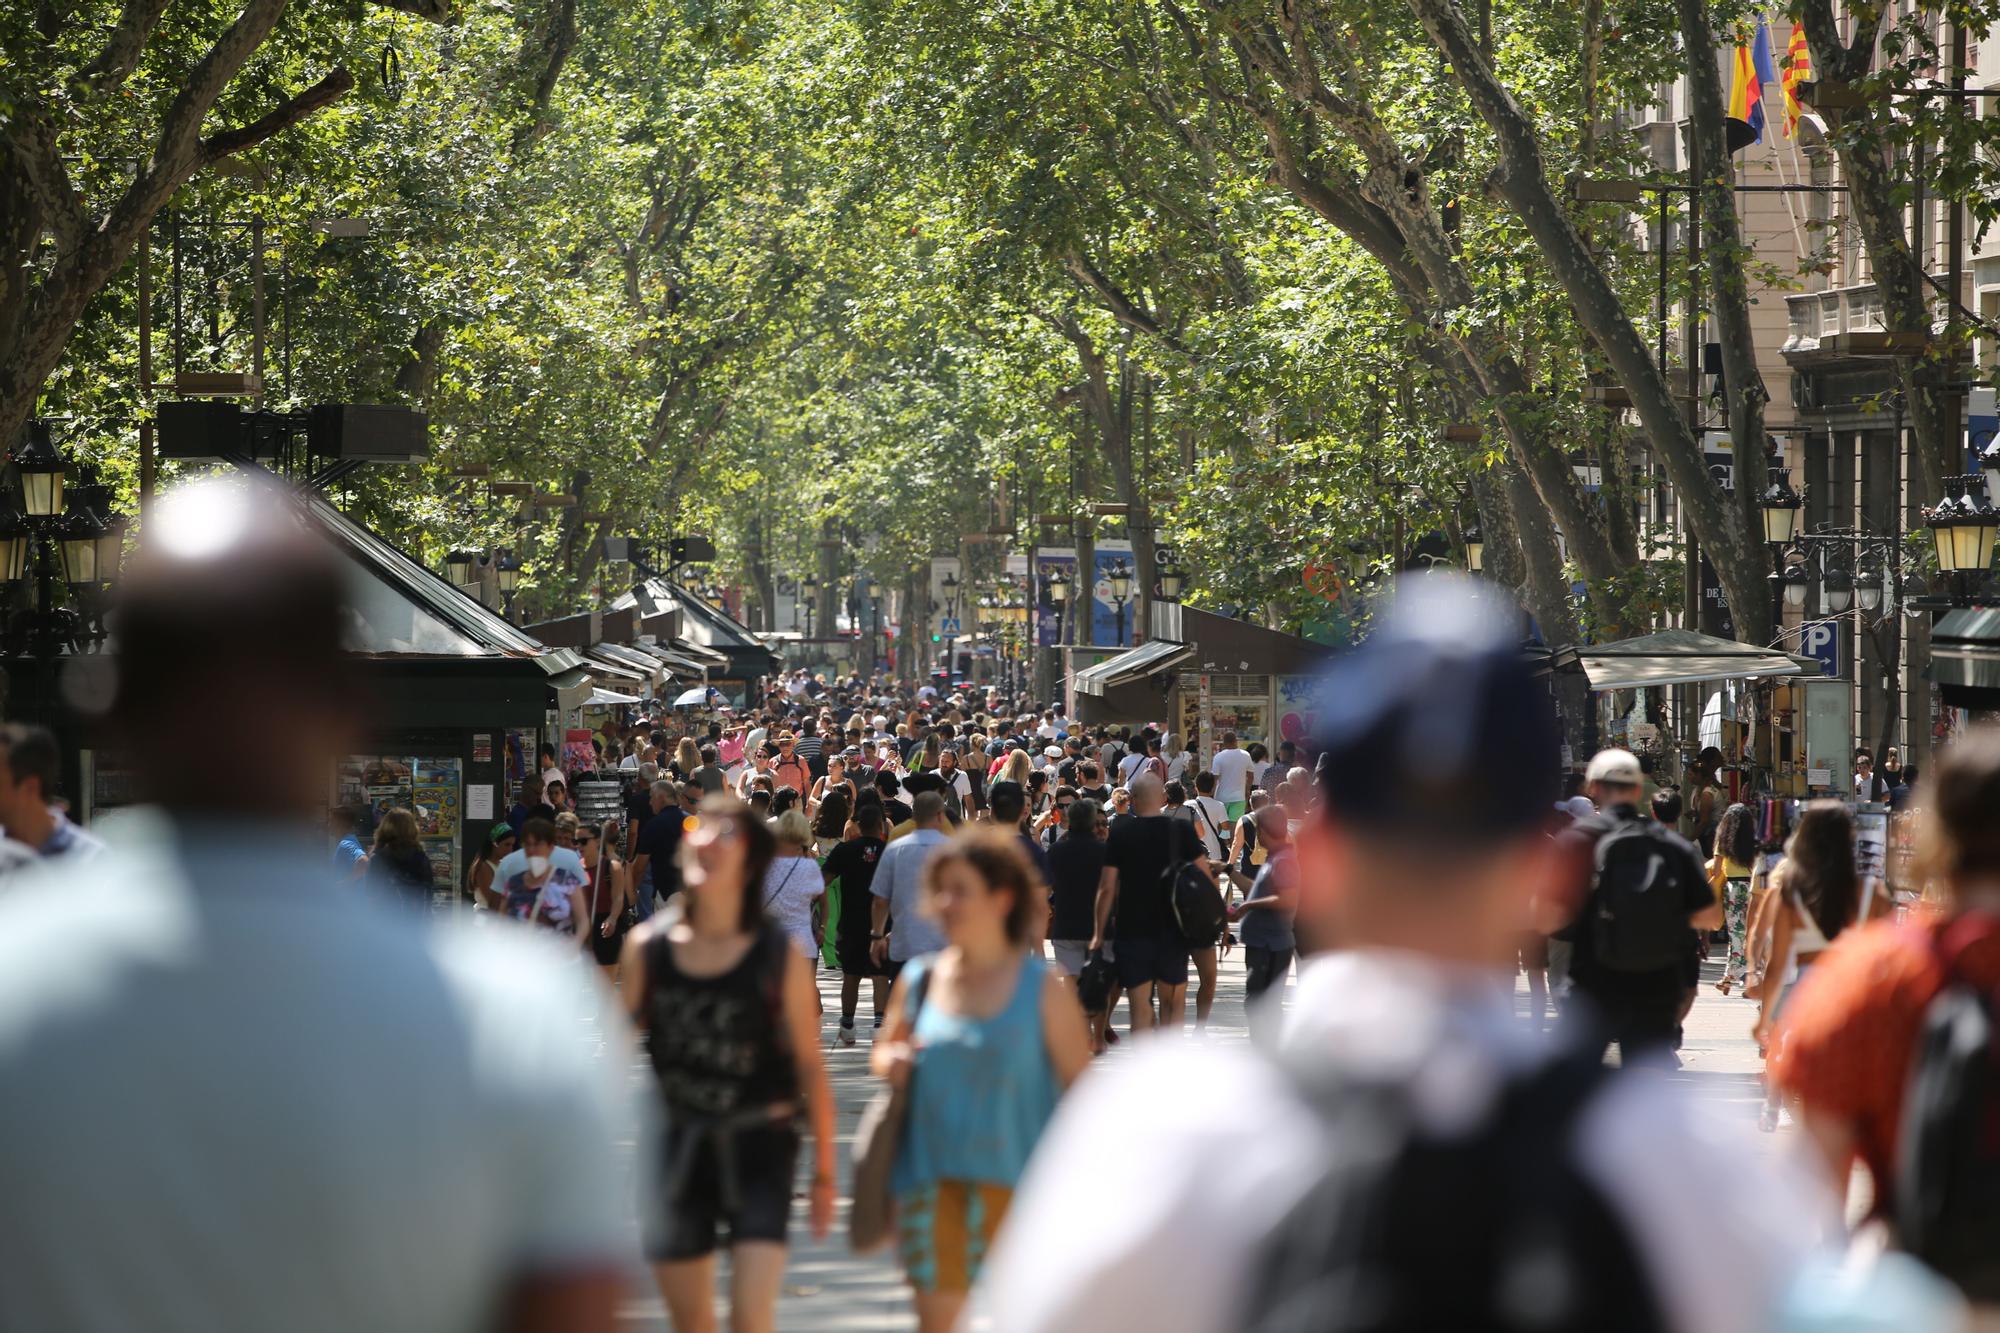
x: 1145, y: 859
x: 1630, y: 936
x: 1401, y: 1152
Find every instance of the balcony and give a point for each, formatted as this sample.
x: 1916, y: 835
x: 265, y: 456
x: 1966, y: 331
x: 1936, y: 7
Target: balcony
x: 1843, y: 324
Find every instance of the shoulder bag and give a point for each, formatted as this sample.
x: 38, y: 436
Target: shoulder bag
x: 877, y: 1138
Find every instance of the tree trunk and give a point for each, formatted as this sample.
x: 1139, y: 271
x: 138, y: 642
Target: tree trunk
x: 1520, y: 178
x: 1877, y: 192
x: 1723, y: 256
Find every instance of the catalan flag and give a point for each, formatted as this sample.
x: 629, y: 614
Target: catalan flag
x: 1798, y: 70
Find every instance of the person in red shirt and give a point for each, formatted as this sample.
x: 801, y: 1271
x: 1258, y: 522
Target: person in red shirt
x: 1843, y: 1043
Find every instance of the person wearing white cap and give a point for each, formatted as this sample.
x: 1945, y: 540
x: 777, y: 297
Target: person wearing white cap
x: 1645, y: 896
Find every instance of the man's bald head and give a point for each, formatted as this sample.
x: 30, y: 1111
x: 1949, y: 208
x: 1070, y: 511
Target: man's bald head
x: 229, y: 626
x: 1148, y: 793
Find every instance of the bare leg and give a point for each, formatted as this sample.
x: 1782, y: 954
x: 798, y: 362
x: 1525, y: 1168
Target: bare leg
x: 937, y: 1311
x: 880, y: 995
x: 756, y: 1268
x: 850, y: 998
x: 1204, y: 995
x: 1173, y: 1006
x: 688, y: 1287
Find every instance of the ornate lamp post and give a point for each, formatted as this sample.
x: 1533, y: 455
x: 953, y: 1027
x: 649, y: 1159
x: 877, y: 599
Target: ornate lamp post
x: 1475, y: 549
x: 1121, y: 591
x: 54, y: 523
x: 1963, y: 527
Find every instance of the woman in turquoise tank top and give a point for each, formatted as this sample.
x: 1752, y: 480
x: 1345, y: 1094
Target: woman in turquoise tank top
x: 988, y: 1039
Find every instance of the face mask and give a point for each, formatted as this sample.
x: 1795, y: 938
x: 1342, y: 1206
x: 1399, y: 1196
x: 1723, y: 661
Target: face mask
x: 538, y: 865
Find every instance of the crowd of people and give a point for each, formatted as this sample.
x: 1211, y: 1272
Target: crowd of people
x: 357, y: 1115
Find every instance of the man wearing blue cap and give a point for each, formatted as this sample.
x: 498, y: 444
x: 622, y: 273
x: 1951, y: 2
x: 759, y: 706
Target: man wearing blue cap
x: 1404, y: 1152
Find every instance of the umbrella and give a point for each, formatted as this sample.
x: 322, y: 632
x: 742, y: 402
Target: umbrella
x: 696, y: 696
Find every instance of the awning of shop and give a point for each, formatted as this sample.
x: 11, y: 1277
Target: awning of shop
x: 651, y: 669
x: 1965, y: 656
x: 1133, y: 664
x: 610, y: 671
x: 1683, y: 657
x: 602, y: 698
x: 703, y: 624
x: 1222, y: 645
x: 571, y: 688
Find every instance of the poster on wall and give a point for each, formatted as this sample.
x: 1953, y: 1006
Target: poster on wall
x: 579, y: 755
x: 520, y: 752
x: 1297, y: 699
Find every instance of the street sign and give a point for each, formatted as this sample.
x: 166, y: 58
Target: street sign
x: 949, y: 625
x: 1821, y: 639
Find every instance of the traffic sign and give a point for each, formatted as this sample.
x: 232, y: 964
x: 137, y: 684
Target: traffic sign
x: 949, y: 625
x: 1821, y: 639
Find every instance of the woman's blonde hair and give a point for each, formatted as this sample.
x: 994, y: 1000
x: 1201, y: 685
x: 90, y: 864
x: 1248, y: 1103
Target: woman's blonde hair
x: 688, y: 755
x: 1017, y: 768
x: 793, y: 827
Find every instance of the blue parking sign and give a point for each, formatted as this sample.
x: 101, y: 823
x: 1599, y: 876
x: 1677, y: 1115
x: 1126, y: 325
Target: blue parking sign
x: 1821, y: 639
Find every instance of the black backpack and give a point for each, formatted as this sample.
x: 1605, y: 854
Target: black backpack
x: 1638, y: 912
x: 1947, y: 1199
x: 1196, y: 903
x: 1407, y: 1232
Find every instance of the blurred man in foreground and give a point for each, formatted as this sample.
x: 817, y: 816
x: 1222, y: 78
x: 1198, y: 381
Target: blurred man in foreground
x: 240, y: 1095
x: 1408, y: 1155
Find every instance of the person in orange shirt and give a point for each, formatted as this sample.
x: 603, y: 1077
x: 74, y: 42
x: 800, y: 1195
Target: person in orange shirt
x: 1843, y: 1045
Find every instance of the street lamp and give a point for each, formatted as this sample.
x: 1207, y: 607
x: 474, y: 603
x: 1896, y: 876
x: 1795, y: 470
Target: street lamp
x: 1836, y: 591
x: 87, y: 540
x: 1963, y: 527
x: 41, y: 469
x: 1781, y: 506
x: 1058, y: 587
x: 1172, y: 579
x: 811, y: 589
x: 1475, y: 549
x: 1868, y: 590
x: 458, y: 567
x: 506, y: 572
x: 1120, y: 578
x: 1789, y: 583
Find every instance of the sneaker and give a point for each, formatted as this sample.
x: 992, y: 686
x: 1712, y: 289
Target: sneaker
x: 846, y: 1037
x: 878, y: 1020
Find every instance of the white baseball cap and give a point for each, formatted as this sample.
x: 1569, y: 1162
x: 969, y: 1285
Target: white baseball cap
x: 1618, y: 768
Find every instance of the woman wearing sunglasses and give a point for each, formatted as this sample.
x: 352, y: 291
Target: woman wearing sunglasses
x: 731, y: 1015
x: 609, y: 892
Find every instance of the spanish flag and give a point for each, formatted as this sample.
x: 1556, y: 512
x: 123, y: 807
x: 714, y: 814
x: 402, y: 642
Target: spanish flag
x: 1798, y: 70
x: 1751, y: 70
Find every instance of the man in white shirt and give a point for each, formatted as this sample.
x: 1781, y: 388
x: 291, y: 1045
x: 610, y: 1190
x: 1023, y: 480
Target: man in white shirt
x: 241, y: 1094
x: 1232, y: 767
x: 1367, y: 1154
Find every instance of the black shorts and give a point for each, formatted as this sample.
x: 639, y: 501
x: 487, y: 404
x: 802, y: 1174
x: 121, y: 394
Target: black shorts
x: 694, y: 1201
x: 1147, y: 961
x: 853, y: 957
x: 606, y: 951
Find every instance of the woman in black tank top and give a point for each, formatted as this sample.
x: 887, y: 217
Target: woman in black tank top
x: 732, y: 1017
